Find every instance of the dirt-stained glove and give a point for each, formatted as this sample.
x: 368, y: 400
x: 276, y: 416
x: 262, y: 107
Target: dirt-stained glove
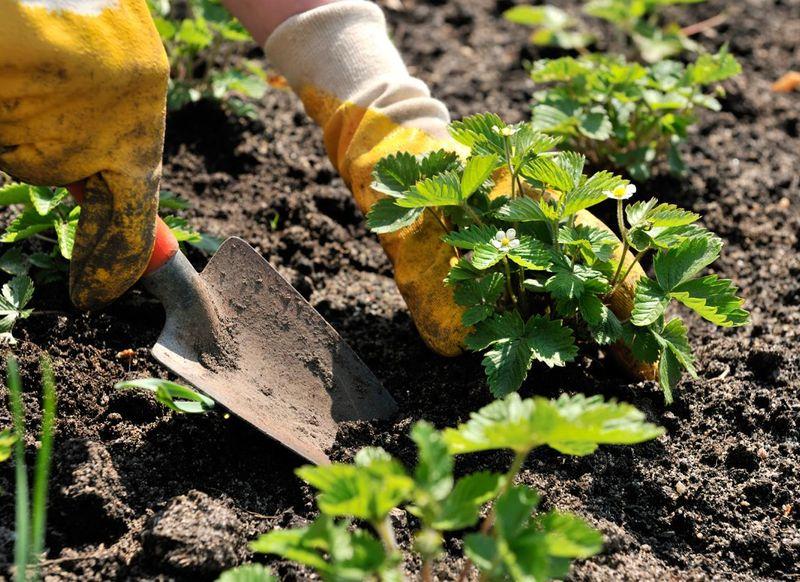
x: 338, y: 58
x: 82, y: 95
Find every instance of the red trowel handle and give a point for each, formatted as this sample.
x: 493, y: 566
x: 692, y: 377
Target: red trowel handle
x: 166, y: 244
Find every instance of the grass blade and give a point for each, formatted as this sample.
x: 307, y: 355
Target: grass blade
x: 22, y: 524
x: 43, y: 461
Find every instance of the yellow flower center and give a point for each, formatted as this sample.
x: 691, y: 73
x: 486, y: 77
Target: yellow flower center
x: 505, y: 241
x: 619, y: 192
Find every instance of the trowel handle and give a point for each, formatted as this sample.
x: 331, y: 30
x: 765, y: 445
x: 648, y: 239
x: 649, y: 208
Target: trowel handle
x: 166, y: 245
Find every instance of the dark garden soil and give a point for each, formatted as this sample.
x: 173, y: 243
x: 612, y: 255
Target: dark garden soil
x: 140, y: 493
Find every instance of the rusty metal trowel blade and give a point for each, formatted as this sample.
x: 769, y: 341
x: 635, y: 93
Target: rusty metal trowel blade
x: 240, y: 333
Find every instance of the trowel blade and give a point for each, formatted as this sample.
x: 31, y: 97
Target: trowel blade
x: 259, y: 349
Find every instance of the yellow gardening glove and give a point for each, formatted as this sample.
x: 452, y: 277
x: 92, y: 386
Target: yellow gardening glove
x: 352, y: 81
x: 82, y: 96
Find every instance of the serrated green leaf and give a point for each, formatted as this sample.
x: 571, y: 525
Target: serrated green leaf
x: 649, y: 302
x: 14, y: 297
x: 181, y: 229
x: 673, y: 336
x: 521, y: 210
x: 396, y: 174
x: 531, y: 254
x: 573, y: 425
x: 386, y: 216
x: 170, y: 201
x: 477, y: 170
x: 461, y: 509
x: 513, y: 511
x: 710, y: 68
x: 591, y: 192
x: 248, y: 573
x: 669, y: 374
x: 595, y: 244
x: 485, y: 256
x: 502, y: 326
x: 569, y: 536
x: 174, y: 396
x: 26, y: 225
x: 14, y: 262
x: 438, y: 162
x: 482, y: 550
x: 641, y: 342
x: 669, y: 215
x: 367, y: 490
x: 550, y: 341
x: 506, y: 365
x: 603, y: 324
x: 462, y: 271
x: 329, y: 548
x: 470, y: 237
x: 15, y: 193
x: 44, y: 200
x: 552, y: 172
x: 713, y: 299
x: 595, y: 124
x: 476, y: 130
x: 637, y: 212
x: 681, y: 263
x: 480, y: 296
x: 441, y: 190
x: 65, y: 233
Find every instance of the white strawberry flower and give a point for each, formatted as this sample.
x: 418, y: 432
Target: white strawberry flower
x: 505, y: 241
x: 621, y: 192
x: 504, y: 131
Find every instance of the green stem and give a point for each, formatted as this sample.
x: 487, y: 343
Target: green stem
x: 42, y: 471
x: 472, y: 214
x: 625, y: 244
x: 636, y: 259
x: 22, y: 509
x: 509, y: 286
x: 386, y: 533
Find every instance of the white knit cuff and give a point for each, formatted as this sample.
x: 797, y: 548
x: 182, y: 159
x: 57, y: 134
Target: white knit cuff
x: 343, y: 49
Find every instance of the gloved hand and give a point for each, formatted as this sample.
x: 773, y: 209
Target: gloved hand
x: 83, y: 96
x: 338, y: 58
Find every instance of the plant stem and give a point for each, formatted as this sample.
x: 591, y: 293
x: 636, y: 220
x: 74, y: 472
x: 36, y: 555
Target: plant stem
x: 511, y: 171
x: 22, y: 509
x: 427, y: 570
x: 509, y: 286
x: 636, y: 259
x: 488, y: 521
x: 472, y: 214
x: 386, y: 533
x: 42, y: 471
x: 625, y: 244
x: 438, y: 220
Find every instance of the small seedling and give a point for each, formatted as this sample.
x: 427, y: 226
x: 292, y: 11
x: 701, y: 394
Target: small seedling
x: 14, y: 297
x: 174, y: 396
x: 50, y: 217
x: 31, y: 506
x: 513, y: 541
x: 533, y: 271
x: 640, y: 24
x: 248, y: 573
x: 626, y: 115
x: 201, y: 39
x: 7, y: 440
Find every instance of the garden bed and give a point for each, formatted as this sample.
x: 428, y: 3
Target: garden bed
x: 138, y: 492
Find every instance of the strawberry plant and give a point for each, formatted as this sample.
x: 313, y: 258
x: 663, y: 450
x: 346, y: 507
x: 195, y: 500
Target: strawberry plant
x: 640, y: 24
x: 176, y: 397
x: 515, y: 540
x: 202, y: 39
x: 534, y: 272
x: 50, y: 216
x: 627, y: 115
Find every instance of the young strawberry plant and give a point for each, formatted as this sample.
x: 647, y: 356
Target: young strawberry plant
x: 640, y: 24
x: 202, y: 39
x: 50, y: 217
x: 627, y: 115
x: 514, y: 541
x: 533, y: 271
